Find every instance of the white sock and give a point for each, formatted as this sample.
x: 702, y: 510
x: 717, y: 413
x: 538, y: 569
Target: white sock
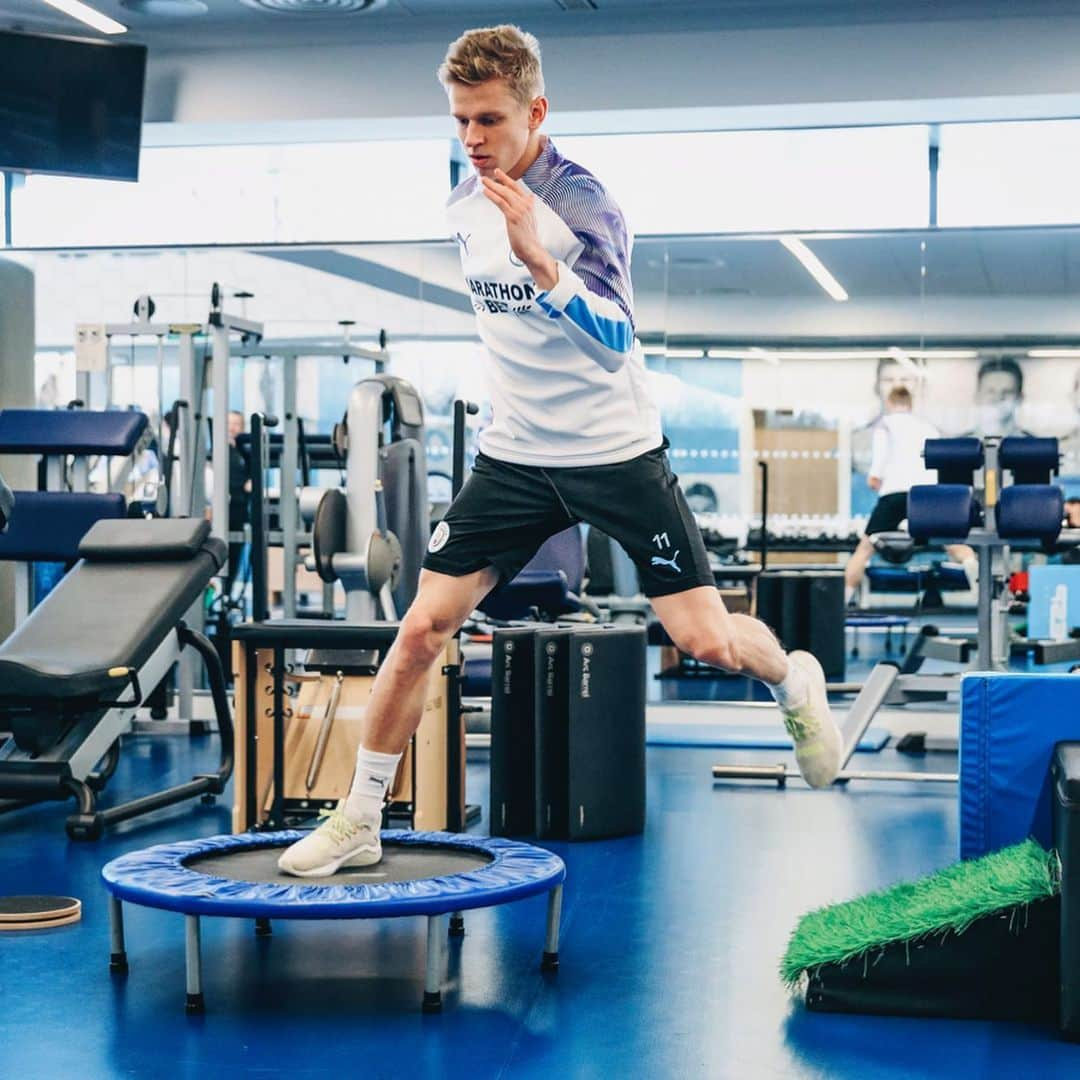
x: 794, y: 690
x: 374, y: 774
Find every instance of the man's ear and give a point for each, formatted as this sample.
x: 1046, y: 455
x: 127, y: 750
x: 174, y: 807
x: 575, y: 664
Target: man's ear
x: 538, y: 111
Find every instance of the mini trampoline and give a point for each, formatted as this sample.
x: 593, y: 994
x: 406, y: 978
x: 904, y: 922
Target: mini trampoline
x: 433, y: 874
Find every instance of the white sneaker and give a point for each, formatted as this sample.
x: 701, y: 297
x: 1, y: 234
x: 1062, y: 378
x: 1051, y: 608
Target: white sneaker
x: 337, y: 842
x: 818, y: 743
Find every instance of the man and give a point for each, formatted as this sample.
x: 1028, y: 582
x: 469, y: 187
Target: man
x: 891, y: 372
x: 999, y: 393
x: 895, y: 467
x: 1069, y: 444
x: 574, y: 436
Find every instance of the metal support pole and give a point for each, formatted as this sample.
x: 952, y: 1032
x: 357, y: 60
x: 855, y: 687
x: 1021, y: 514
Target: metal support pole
x: 288, y: 486
x: 118, y: 955
x: 985, y: 657
x: 219, y: 378
x: 433, y: 973
x: 188, y: 493
x: 365, y: 422
x: 193, y: 962
x: 550, y: 961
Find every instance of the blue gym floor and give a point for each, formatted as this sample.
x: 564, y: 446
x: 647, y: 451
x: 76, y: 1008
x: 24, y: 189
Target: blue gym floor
x: 669, y: 952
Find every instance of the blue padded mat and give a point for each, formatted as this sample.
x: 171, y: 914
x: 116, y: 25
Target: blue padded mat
x: 739, y: 736
x: 1009, y: 725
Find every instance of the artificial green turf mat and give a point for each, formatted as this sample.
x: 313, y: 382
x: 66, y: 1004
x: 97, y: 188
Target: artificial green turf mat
x: 948, y: 901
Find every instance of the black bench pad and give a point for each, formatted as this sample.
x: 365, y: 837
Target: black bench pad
x: 103, y: 615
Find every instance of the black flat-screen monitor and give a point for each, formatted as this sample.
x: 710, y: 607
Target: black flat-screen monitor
x: 70, y: 107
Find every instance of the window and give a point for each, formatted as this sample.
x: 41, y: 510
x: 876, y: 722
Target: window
x: 246, y: 194
x: 757, y: 181
x: 1016, y: 173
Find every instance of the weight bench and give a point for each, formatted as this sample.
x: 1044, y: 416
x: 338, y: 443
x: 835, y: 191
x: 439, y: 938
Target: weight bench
x: 73, y: 674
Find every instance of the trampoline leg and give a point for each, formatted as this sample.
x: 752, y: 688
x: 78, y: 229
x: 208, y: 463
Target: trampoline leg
x: 457, y: 924
x: 433, y: 974
x: 263, y: 927
x: 550, y: 961
x: 194, y: 964
x: 118, y: 964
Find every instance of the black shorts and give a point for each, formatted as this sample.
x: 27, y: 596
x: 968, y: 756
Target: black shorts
x: 887, y: 515
x: 505, y: 512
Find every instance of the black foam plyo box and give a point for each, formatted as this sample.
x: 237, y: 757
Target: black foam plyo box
x: 590, y: 717
x: 513, y: 731
x: 1065, y: 773
x: 806, y: 611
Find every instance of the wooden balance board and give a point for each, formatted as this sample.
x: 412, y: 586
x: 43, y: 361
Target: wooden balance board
x: 38, y: 912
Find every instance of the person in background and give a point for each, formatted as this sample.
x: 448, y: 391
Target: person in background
x: 999, y: 393
x: 896, y: 466
x: 1072, y: 512
x: 891, y: 373
x: 1069, y: 444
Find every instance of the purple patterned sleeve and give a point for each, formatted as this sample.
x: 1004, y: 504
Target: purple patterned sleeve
x: 596, y: 220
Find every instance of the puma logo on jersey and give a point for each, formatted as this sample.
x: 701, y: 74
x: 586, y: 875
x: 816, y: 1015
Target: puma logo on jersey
x: 657, y: 561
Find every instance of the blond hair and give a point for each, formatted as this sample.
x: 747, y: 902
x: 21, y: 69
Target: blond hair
x: 496, y: 52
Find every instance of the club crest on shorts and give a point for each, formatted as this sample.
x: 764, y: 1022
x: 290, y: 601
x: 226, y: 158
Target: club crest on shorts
x: 439, y: 537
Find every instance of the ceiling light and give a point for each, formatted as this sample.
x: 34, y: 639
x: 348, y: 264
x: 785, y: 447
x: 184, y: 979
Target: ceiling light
x: 685, y: 354
x: 86, y: 14
x: 1054, y: 354
x: 815, y: 267
x: 315, y: 7
x: 167, y: 9
x: 943, y: 354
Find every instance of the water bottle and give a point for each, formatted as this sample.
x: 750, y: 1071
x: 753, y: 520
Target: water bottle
x: 1059, y: 623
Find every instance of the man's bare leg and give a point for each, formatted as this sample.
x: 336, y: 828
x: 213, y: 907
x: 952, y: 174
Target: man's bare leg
x: 856, y: 567
x: 350, y: 835
x: 701, y: 626
x: 396, y: 704
x: 966, y: 557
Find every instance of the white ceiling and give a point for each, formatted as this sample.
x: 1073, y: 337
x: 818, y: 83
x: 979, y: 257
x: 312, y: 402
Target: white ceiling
x: 236, y: 24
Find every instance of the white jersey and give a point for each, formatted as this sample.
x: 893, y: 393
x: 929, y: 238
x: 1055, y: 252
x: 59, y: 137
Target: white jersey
x: 566, y: 377
x: 897, y: 452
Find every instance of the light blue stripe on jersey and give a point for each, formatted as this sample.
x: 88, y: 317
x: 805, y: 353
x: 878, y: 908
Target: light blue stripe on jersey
x: 614, y: 334
x: 591, y: 214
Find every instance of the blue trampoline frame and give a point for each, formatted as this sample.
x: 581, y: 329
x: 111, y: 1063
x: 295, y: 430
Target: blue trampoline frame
x: 159, y: 877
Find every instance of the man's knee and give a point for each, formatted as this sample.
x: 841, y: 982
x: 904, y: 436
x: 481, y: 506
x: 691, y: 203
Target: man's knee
x: 717, y: 648
x: 423, y: 634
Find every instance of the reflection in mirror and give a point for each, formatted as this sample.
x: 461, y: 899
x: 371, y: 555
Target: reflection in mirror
x: 760, y: 349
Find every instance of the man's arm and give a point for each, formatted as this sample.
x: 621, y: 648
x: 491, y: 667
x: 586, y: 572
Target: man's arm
x: 880, y: 448
x: 599, y: 325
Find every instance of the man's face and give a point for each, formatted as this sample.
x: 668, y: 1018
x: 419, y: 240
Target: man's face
x: 894, y: 375
x: 494, y: 127
x: 236, y: 426
x: 997, y: 397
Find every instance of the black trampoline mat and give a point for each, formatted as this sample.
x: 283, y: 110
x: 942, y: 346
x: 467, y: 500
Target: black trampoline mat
x: 410, y: 862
